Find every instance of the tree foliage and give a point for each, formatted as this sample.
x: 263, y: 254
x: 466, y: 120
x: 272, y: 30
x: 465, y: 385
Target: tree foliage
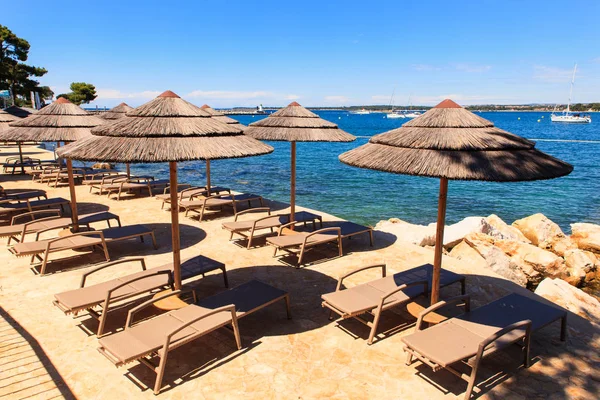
x: 81, y: 92
x: 15, y: 74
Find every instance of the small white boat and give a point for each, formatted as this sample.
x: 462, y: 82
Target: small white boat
x: 412, y: 114
x: 568, y: 116
x: 361, y: 112
x: 396, y: 114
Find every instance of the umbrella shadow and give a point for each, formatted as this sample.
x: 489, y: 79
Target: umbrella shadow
x: 569, y: 364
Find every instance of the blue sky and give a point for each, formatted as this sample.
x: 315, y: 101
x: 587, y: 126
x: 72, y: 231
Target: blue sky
x: 318, y: 53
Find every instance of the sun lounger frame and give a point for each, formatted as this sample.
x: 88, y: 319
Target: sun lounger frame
x: 486, y: 347
x: 202, y: 207
x: 382, y: 306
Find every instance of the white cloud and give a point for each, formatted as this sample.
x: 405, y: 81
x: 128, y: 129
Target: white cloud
x: 229, y: 95
x: 551, y: 74
x: 292, y: 97
x: 472, y: 68
x: 425, y: 67
x: 117, y: 94
x: 336, y: 100
x: 381, y: 98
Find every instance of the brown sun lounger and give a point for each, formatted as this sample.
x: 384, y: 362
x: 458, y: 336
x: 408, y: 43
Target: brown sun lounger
x: 98, y: 299
x: 202, y: 204
x: 247, y: 229
x: 379, y: 295
x: 164, y: 333
x: 12, y: 163
x: 22, y: 194
x: 299, y: 242
x: 470, y: 337
x: 41, y: 249
x: 189, y: 193
x: 52, y: 219
x: 10, y: 207
x: 134, y: 185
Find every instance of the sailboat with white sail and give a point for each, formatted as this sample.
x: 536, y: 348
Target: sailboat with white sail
x: 568, y: 116
x: 394, y: 114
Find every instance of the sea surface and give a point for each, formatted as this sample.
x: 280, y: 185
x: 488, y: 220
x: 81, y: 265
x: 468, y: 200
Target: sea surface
x: 365, y: 196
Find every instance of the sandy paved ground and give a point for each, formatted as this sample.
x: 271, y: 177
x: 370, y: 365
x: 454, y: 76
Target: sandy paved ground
x: 45, y: 354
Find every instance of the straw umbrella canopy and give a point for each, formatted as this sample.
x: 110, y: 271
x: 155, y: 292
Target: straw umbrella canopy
x: 5, y: 119
x: 166, y: 129
x: 61, y: 121
x: 296, y: 124
x: 115, y: 113
x: 451, y: 143
x: 219, y: 116
x: 20, y: 112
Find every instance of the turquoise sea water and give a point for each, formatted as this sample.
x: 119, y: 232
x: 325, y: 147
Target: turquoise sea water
x: 366, y: 196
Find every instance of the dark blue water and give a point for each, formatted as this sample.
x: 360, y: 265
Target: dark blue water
x: 366, y: 196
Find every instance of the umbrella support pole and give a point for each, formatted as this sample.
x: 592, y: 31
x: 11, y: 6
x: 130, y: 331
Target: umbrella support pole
x: 208, y: 177
x: 128, y: 169
x: 439, y: 241
x: 293, y: 184
x: 74, y: 215
x: 21, y: 157
x: 175, y: 225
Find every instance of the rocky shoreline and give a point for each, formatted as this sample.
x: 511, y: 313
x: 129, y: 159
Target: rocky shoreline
x: 533, y: 252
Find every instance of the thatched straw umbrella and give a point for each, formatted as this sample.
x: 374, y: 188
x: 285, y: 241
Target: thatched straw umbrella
x: 296, y: 124
x: 21, y: 112
x: 61, y: 121
x: 115, y: 113
x: 451, y: 143
x: 219, y: 116
x: 5, y: 119
x: 167, y: 128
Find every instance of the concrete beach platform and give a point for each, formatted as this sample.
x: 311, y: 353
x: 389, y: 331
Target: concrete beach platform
x: 45, y: 354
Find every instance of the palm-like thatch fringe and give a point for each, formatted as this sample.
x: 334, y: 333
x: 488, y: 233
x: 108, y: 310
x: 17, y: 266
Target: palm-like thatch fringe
x: 161, y: 149
x: 26, y: 134
x: 116, y: 112
x: 297, y: 124
x: 165, y: 126
x: 168, y: 105
x: 488, y: 138
x: 59, y: 121
x: 494, y: 166
x: 219, y: 116
x: 453, y: 143
x: 21, y: 112
x: 7, y: 117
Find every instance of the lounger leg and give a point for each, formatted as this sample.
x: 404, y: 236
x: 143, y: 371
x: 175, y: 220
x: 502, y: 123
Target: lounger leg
x: 225, y: 278
x: 153, y: 240
x: 408, y: 358
x: 105, y: 251
x: 300, y: 257
x: 471, y: 382
x: 160, y: 372
x: 44, y: 263
x: 119, y: 221
x: 340, y: 247
x: 236, y: 331
x: 374, y: 328
x: 563, y: 328
x: 101, y: 323
x: 201, y: 214
x: 371, y: 237
x: 231, y: 236
x: 287, y: 306
x: 249, y: 241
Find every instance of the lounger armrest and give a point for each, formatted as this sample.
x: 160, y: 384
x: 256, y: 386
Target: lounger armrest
x: 253, y: 210
x: 230, y: 308
x: 441, y: 304
x: 53, y: 212
x: 331, y: 229
x: 399, y: 289
x: 212, y: 196
x: 6, y: 201
x: 341, y: 278
x: 179, y: 185
x: 58, y: 239
x: 525, y: 324
x: 284, y: 226
x: 150, y: 302
x: 110, y: 264
x: 181, y: 194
